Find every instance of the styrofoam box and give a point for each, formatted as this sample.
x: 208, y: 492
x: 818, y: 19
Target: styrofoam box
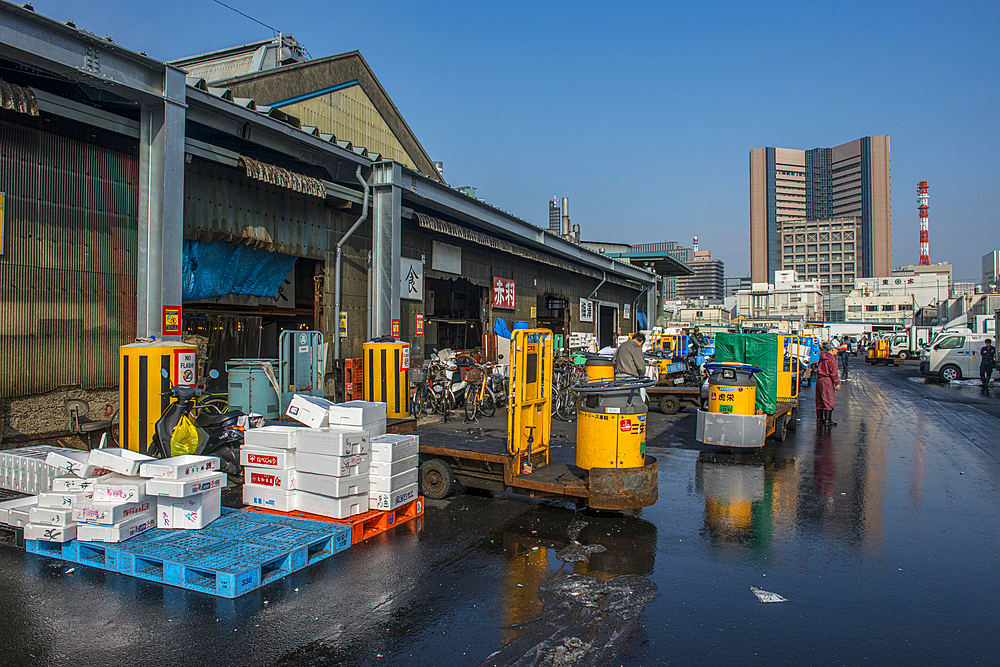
x: 263, y: 457
x: 45, y: 533
x: 335, y: 487
x: 63, y: 501
x: 88, y: 532
x: 121, y: 461
x: 110, y: 513
x: 392, y: 447
x: 337, y: 508
x: 16, y: 504
x: 356, y: 413
x: 392, y: 484
x: 182, y: 488
x: 272, y: 478
x: 390, y: 501
x: 335, y: 466
x: 74, y: 462
x: 273, y: 437
x: 374, y: 428
x: 393, y: 468
x: 192, y: 513
x: 332, y: 441
x: 312, y: 411
x: 17, y: 516
x: 50, y: 516
x: 120, y: 489
x: 25, y: 469
x: 283, y: 501
x: 71, y: 483
x: 180, y: 467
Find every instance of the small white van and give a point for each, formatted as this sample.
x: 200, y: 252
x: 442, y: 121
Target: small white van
x: 953, y: 356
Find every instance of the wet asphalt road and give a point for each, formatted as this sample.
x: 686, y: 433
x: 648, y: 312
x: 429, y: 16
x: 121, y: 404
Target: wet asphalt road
x: 882, y: 532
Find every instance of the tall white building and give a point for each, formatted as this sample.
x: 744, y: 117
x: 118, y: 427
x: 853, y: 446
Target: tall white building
x: 991, y: 272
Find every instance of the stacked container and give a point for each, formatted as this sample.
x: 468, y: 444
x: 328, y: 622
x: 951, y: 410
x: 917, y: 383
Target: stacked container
x: 359, y: 415
x: 268, y: 459
x: 26, y: 470
x: 188, y: 490
x: 393, y: 471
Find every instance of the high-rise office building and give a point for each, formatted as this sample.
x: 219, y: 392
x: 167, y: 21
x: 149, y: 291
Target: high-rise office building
x: 555, y: 216
x: 847, y: 181
x: 707, y: 280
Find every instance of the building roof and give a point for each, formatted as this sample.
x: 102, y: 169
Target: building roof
x: 661, y: 263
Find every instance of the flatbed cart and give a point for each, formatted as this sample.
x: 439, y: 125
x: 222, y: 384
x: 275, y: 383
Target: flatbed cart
x: 523, y: 462
x: 672, y: 399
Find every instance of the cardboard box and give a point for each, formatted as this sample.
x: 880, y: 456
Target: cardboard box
x: 282, y: 501
x: 121, y: 461
x: 16, y: 504
x: 120, y: 489
x: 261, y: 457
x: 110, y: 513
x: 75, y: 463
x: 332, y: 441
x: 386, y: 484
x: 356, y: 413
x: 272, y: 437
x: 337, y: 508
x: 390, y: 501
x: 191, y: 513
x: 62, y: 501
x: 72, y: 484
x: 312, y: 411
x: 334, y: 487
x: 180, y: 467
x: 272, y: 478
x: 334, y: 466
x: 87, y: 532
x: 49, y: 533
x: 392, y: 447
x: 182, y: 488
x: 49, y: 516
x: 383, y: 469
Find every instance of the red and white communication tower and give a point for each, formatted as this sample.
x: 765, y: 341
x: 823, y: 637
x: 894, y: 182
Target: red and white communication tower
x: 925, y: 255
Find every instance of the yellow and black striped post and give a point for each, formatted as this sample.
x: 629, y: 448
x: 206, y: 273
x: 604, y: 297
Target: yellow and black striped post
x: 142, y: 387
x: 386, y: 369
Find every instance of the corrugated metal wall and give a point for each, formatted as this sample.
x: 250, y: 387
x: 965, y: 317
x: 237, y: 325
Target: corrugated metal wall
x: 68, y: 272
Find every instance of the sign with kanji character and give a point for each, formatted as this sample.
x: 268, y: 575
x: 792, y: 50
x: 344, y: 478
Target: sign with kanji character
x: 411, y: 279
x: 586, y: 310
x: 504, y: 293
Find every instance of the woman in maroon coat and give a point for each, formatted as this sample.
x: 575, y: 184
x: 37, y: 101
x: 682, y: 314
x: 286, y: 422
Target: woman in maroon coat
x: 827, y: 382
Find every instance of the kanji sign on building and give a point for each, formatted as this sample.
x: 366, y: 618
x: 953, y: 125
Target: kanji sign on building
x: 503, y: 293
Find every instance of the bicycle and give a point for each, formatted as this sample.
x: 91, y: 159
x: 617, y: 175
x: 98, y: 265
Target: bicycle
x: 479, y: 397
x: 422, y: 402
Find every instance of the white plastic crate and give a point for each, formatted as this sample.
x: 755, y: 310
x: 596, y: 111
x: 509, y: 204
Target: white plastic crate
x: 373, y: 428
x: 392, y: 447
x: 63, y: 501
x: 50, y: 516
x: 337, y: 508
x: 17, y: 516
x: 88, y: 532
x: 261, y: 457
x: 120, y: 489
x: 25, y: 469
x: 332, y: 441
x: 356, y: 413
x: 16, y: 504
x: 75, y: 463
x: 182, y: 488
x: 312, y: 411
x: 121, y: 461
x: 392, y: 484
x: 272, y: 437
x: 71, y: 483
x: 108, y: 514
x: 272, y: 478
x: 190, y: 513
x: 393, y: 468
x: 390, y: 501
x: 282, y: 501
x: 180, y: 467
x: 45, y: 533
x: 334, y: 487
x: 335, y: 466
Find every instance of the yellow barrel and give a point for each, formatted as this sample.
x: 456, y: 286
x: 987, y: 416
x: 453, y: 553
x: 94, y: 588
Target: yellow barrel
x: 141, y: 386
x: 386, y: 369
x: 598, y: 368
x: 610, y: 431
x: 732, y: 391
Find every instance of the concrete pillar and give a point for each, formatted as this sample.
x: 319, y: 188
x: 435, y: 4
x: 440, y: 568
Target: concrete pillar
x: 387, y: 203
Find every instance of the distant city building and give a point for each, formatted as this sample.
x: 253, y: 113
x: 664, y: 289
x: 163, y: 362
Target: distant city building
x: 730, y: 286
x: 963, y: 289
x: 787, y: 298
x: 864, y: 304
x: 926, y: 288
x: 707, y: 281
x: 675, y: 250
x: 822, y: 250
x: 847, y: 181
x: 942, y: 269
x: 991, y: 272
x: 555, y: 216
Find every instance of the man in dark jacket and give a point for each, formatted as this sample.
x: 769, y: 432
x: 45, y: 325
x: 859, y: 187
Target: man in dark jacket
x: 628, y: 357
x: 987, y: 362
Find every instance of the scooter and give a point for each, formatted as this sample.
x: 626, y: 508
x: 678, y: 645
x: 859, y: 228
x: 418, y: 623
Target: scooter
x: 218, y: 434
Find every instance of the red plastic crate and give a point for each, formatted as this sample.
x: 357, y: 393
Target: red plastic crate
x: 365, y: 525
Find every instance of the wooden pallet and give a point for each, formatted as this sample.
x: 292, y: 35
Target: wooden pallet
x: 363, y: 526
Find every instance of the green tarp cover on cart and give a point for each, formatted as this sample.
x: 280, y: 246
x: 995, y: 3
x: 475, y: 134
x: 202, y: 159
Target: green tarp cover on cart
x: 761, y: 350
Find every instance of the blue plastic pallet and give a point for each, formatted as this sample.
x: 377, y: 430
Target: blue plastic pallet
x: 232, y: 556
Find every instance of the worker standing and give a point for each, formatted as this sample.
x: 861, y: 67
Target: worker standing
x: 827, y: 382
x: 628, y: 357
x: 842, y: 352
x: 987, y: 362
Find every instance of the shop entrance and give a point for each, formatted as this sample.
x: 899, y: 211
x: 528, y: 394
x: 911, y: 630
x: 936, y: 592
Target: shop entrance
x: 606, y: 336
x: 453, y: 315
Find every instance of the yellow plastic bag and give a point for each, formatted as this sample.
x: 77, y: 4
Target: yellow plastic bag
x: 184, y: 439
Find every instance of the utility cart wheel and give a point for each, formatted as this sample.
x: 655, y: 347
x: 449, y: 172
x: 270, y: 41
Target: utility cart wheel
x: 781, y: 428
x: 793, y: 418
x: 437, y: 480
x: 670, y: 404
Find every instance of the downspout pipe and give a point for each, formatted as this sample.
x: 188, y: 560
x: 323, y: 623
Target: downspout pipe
x: 339, y: 262
x: 604, y: 279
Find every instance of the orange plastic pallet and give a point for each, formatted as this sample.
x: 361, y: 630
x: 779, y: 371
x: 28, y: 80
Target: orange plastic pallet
x: 365, y: 525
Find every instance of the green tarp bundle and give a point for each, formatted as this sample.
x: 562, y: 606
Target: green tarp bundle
x: 760, y: 350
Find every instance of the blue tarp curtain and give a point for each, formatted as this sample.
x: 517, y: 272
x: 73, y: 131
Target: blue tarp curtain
x: 500, y: 328
x: 216, y: 268
x: 640, y: 319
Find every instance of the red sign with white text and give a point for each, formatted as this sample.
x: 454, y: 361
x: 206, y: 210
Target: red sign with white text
x: 503, y: 293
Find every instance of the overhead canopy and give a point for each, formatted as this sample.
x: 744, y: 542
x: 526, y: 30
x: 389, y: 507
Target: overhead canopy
x: 659, y: 263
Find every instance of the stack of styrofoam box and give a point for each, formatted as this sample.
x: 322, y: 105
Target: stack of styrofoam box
x: 25, y: 469
x: 15, y: 512
x: 188, y: 490
x: 393, y: 471
x: 51, y: 519
x: 360, y: 416
x: 268, y: 460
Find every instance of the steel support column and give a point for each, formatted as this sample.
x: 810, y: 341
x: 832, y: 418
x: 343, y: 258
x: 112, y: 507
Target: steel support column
x: 161, y: 206
x: 652, y: 301
x: 386, y: 235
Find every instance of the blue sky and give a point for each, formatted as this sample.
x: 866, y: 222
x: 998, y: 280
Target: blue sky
x: 643, y: 114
